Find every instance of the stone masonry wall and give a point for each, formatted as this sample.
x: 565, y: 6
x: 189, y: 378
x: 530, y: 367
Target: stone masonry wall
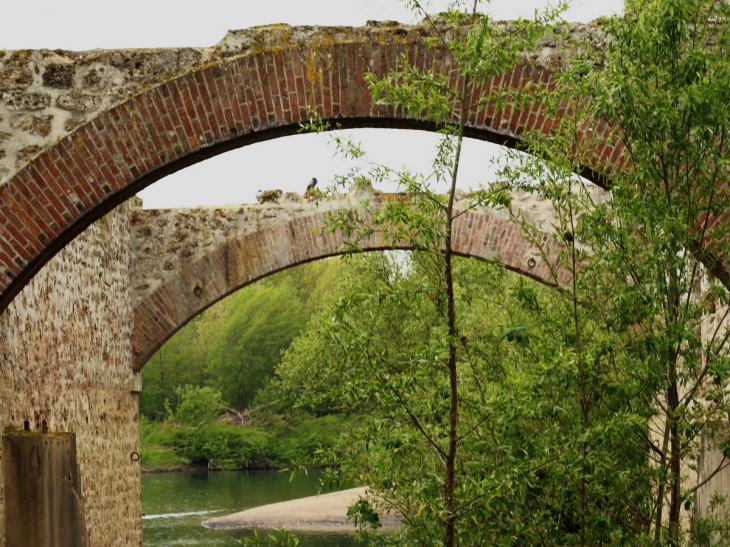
x: 166, y: 241
x: 65, y: 358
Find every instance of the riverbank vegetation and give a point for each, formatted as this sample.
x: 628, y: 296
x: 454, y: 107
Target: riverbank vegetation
x: 207, y: 395
x: 269, y: 441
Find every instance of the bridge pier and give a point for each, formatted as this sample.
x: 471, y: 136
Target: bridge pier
x: 66, y: 365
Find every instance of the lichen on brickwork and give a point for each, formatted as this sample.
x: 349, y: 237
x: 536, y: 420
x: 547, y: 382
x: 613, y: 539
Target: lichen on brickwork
x: 67, y: 89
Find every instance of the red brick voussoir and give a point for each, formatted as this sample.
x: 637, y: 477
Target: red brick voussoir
x: 239, y: 97
x: 241, y: 261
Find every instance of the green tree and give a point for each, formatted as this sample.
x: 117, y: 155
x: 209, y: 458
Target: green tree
x: 179, y: 362
x: 255, y: 324
x: 639, y: 289
x: 521, y: 437
x: 312, y: 283
x: 478, y: 50
x: 198, y: 405
x: 637, y: 374
x: 235, y: 344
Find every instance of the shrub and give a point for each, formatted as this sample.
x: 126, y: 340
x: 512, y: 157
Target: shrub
x: 198, y: 405
x: 231, y: 447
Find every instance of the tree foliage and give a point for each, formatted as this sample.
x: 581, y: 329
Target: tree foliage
x: 582, y: 419
x: 235, y: 345
x: 198, y: 405
x: 520, y: 428
x: 430, y: 354
x: 642, y: 260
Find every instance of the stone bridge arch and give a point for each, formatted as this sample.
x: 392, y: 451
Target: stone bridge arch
x: 82, y: 132
x: 185, y: 260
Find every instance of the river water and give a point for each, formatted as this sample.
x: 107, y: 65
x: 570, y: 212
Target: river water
x: 175, y: 504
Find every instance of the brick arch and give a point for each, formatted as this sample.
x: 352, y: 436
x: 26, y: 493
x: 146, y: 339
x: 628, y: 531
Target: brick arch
x: 237, y: 262
x: 260, y: 94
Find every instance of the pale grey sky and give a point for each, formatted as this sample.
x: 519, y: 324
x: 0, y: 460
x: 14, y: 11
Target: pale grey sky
x: 287, y: 163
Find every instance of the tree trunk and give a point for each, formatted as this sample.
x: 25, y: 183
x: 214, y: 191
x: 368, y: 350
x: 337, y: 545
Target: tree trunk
x: 449, y: 472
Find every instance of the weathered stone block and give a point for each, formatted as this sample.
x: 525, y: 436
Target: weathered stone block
x: 270, y: 196
x: 92, y: 79
x: 26, y: 153
x: 59, y: 76
x: 13, y: 78
x: 35, y: 125
x: 73, y: 123
x: 79, y: 102
x: 27, y: 101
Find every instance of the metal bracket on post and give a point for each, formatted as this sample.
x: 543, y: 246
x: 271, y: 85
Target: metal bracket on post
x: 136, y: 382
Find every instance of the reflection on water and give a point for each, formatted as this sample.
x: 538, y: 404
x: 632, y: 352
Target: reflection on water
x: 175, y: 504
x: 175, y: 515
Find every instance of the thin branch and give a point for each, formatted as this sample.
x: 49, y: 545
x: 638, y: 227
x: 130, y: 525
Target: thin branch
x: 719, y: 468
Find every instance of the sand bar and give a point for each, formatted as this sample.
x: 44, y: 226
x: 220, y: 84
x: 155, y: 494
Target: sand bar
x: 325, y: 511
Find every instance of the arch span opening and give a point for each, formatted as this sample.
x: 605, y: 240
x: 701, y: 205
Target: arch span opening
x: 188, y: 259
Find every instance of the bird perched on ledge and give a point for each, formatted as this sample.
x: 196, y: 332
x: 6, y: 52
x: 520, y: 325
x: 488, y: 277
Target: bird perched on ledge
x: 311, y: 185
x: 258, y: 195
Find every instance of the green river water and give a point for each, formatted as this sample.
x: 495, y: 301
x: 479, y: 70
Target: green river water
x: 175, y: 505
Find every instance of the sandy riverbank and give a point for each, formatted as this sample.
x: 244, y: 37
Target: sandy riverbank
x: 313, y: 513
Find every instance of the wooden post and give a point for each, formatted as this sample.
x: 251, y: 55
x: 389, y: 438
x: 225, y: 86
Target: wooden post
x: 43, y: 504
